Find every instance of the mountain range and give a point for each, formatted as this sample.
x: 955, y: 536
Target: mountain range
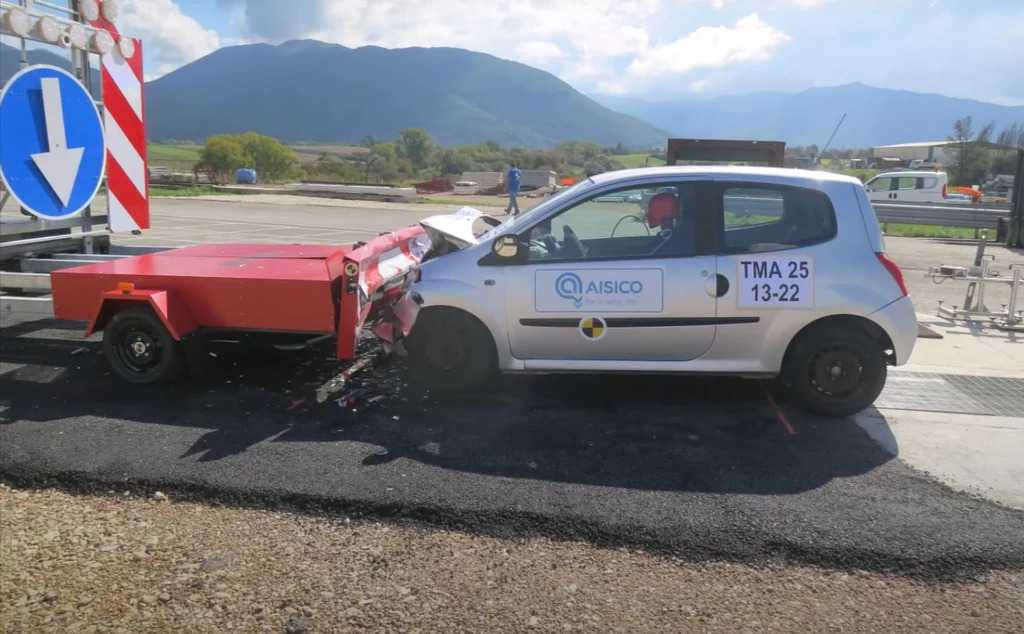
x: 309, y: 91
x: 10, y: 63
x: 874, y: 116
x: 305, y: 90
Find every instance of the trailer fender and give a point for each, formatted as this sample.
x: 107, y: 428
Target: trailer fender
x: 174, y: 315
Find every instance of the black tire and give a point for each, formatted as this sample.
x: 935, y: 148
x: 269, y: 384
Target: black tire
x: 450, y: 349
x: 140, y: 350
x: 835, y: 371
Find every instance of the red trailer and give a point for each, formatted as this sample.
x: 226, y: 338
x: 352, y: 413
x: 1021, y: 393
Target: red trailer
x: 152, y: 307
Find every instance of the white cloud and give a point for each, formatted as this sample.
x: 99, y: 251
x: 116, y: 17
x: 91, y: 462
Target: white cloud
x: 585, y: 42
x: 809, y: 4
x: 538, y: 52
x: 750, y: 39
x: 167, y: 34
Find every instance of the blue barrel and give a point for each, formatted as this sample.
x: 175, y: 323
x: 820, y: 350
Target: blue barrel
x: 245, y: 176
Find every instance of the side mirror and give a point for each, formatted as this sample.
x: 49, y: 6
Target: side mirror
x: 506, y: 246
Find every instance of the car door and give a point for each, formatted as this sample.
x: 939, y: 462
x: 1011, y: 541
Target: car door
x: 880, y: 188
x: 774, y: 241
x: 909, y: 189
x: 642, y: 289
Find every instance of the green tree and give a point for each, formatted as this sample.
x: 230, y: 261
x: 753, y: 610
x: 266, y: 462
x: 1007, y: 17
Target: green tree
x: 1009, y: 140
x: 454, y: 161
x: 580, y: 152
x: 329, y: 167
x: 415, y: 144
x: 971, y: 156
x: 601, y: 164
x: 272, y: 160
x: 224, y: 153
x: 386, y: 151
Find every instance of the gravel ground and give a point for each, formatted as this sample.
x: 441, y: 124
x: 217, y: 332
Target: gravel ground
x: 124, y: 564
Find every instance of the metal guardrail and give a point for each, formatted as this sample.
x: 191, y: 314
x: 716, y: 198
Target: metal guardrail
x: 945, y: 215
x: 951, y: 214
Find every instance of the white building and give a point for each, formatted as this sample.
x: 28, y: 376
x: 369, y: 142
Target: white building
x: 933, y: 151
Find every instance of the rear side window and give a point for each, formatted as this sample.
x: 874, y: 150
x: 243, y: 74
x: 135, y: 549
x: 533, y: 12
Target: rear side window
x: 911, y: 183
x: 775, y: 218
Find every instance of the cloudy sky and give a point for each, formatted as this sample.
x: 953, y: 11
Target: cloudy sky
x: 650, y: 48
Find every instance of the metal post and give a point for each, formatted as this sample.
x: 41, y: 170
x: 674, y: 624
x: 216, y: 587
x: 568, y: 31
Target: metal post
x: 1015, y: 235
x: 1011, y: 316
x: 981, y: 287
x: 23, y: 62
x: 80, y: 63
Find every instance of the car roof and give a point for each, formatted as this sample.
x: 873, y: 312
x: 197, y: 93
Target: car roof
x: 910, y: 173
x: 773, y: 174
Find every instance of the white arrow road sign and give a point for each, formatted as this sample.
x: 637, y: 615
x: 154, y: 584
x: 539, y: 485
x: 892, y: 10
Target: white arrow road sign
x: 60, y: 165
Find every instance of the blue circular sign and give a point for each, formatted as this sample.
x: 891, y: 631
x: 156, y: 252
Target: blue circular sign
x: 52, y: 152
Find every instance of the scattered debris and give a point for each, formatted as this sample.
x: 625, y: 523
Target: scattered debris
x: 337, y: 383
x: 296, y: 404
x: 160, y: 497
x: 79, y: 351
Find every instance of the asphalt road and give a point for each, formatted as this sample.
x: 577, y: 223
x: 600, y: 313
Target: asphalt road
x: 694, y: 469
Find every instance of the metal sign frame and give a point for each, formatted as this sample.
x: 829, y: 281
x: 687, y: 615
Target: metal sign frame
x: 770, y: 153
x: 41, y: 234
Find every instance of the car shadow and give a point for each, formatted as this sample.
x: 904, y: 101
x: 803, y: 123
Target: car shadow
x: 654, y: 433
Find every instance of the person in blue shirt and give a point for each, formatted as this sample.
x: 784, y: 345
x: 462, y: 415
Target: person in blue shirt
x: 513, y: 178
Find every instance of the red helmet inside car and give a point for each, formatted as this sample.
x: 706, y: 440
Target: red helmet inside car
x: 662, y: 210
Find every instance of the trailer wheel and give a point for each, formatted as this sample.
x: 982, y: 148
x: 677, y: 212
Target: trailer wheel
x: 139, y: 348
x: 450, y: 349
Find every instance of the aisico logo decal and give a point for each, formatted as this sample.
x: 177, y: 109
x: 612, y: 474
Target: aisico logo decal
x: 570, y: 286
x: 593, y: 328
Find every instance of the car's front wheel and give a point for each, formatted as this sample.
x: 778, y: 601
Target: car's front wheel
x: 835, y: 371
x: 450, y: 349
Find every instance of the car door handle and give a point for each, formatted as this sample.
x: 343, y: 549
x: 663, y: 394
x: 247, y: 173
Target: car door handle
x: 721, y: 285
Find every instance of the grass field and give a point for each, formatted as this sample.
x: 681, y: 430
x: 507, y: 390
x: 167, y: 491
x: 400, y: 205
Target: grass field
x: 637, y: 160
x: 475, y: 202
x: 926, y: 231
x: 336, y: 150
x: 185, y: 192
x: 156, y: 151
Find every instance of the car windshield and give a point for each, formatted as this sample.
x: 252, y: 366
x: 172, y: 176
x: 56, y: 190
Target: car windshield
x: 537, y: 210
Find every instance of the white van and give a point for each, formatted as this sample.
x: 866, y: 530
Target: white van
x: 908, y: 186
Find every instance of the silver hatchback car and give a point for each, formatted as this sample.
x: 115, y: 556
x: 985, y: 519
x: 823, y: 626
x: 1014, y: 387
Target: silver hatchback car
x: 755, y: 272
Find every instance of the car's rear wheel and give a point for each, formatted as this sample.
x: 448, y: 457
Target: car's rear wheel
x: 835, y: 371
x: 450, y: 349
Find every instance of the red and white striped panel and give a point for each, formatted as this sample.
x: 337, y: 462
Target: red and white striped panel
x: 124, y: 124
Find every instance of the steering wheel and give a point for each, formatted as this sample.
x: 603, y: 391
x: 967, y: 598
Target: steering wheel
x: 574, y: 248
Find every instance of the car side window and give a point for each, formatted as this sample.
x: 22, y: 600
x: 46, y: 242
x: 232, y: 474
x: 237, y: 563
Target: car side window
x: 638, y: 222
x: 759, y: 219
x: 879, y: 184
x: 910, y: 183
